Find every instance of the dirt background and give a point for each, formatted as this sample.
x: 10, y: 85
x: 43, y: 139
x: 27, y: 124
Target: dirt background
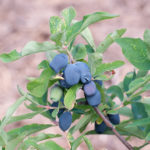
x: 23, y: 21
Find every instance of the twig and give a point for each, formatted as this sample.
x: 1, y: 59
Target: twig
x: 108, y: 123
x: 45, y: 106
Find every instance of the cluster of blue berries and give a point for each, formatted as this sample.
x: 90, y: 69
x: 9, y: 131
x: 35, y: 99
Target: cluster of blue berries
x: 73, y: 74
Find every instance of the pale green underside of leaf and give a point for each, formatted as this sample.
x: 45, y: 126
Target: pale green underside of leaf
x: 78, y: 27
x: 30, y: 48
x: 87, y: 35
x: 68, y: 14
x: 39, y: 86
x: 102, y: 47
x: 108, y: 67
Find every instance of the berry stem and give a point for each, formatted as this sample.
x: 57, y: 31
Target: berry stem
x: 109, y: 124
x: 69, y: 54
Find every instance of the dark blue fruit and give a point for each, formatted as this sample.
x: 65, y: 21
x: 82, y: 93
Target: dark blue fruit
x: 84, y: 71
x: 100, y: 82
x: 72, y: 74
x: 65, y: 121
x: 100, y: 128
x: 89, y: 88
x: 64, y: 84
x: 114, y: 118
x: 59, y: 62
x: 95, y: 99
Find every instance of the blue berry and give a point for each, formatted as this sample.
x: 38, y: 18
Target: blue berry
x: 114, y: 118
x: 72, y: 74
x: 95, y: 99
x: 100, y: 128
x: 84, y: 71
x: 59, y: 62
x: 64, y: 84
x: 65, y: 121
x: 100, y: 82
x: 89, y: 88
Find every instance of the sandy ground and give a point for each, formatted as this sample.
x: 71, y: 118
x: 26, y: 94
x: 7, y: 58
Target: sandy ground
x: 23, y: 21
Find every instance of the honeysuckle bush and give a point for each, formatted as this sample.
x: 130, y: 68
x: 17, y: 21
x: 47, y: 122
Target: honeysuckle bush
x: 133, y: 105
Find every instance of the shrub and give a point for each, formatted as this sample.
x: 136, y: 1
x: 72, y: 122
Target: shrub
x: 67, y: 70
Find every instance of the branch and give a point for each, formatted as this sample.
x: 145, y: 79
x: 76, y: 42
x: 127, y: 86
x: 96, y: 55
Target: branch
x: 108, y: 123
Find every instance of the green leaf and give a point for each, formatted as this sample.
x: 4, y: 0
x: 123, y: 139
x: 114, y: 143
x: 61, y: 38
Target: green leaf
x: 133, y: 131
x: 94, y: 60
x: 10, y: 112
x: 23, y: 117
x: 50, y: 55
x: 87, y: 35
x: 103, y: 46
x: 116, y: 90
x: 82, y: 122
x: 43, y: 65
x: 70, y: 96
x: 108, y: 67
x: 77, y: 142
x: 30, y: 48
x: 70, y: 138
x: 8, y: 57
x: 59, y: 38
x: 147, y: 137
x: 56, y: 24
x: 3, y: 138
x: 50, y: 145
x: 135, y: 83
x: 145, y: 100
x: 89, y: 49
x: 139, y: 112
x: 69, y: 14
x: 128, y: 79
x: 138, y: 83
x: 135, y: 50
x: 13, y: 144
x: 79, y: 52
x: 125, y: 111
x: 78, y: 27
x: 103, y: 77
x: 55, y: 112
x: 88, y: 143
x: 141, y: 73
x: 36, y: 47
x: 27, y: 130
x: 40, y: 137
x: 147, y: 37
x: 139, y: 122
x: 39, y: 86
